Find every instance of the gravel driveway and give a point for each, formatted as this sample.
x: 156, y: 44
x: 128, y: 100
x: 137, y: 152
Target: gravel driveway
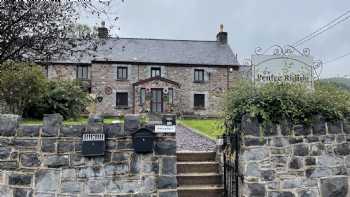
x: 187, y: 140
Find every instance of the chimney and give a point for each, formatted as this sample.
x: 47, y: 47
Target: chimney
x: 102, y: 31
x: 221, y: 36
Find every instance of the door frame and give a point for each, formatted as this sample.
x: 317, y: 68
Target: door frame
x: 161, y: 100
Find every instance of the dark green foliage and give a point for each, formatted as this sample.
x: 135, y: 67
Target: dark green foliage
x: 279, y: 102
x: 21, y: 85
x: 63, y: 97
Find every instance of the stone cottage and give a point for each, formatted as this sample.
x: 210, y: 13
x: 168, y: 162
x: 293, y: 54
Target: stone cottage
x: 134, y: 75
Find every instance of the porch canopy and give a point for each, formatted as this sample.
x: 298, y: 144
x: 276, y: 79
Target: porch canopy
x: 154, y: 94
x: 158, y: 78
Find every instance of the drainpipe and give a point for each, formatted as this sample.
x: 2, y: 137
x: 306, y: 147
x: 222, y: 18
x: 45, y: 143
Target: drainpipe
x: 133, y: 100
x: 227, y: 77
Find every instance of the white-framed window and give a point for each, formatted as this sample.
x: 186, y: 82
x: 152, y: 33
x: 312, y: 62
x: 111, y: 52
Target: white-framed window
x: 82, y: 72
x: 122, y: 73
x: 198, y: 75
x: 156, y: 71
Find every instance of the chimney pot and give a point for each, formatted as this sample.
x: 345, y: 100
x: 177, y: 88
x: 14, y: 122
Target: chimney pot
x: 222, y: 36
x: 102, y: 31
x: 221, y: 28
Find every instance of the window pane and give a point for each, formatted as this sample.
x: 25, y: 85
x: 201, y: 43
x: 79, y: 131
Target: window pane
x: 122, y: 73
x: 142, y: 96
x: 171, y: 95
x: 82, y: 72
x: 199, y: 100
x: 198, y: 75
x: 155, y: 72
x: 122, y: 99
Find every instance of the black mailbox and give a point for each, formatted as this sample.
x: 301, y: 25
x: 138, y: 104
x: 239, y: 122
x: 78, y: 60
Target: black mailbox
x: 143, y: 140
x: 169, y: 119
x: 93, y: 144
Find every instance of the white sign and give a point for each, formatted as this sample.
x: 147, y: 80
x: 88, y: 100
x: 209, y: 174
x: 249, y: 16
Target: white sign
x: 165, y: 129
x: 282, y: 69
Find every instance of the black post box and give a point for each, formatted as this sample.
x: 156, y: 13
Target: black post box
x: 143, y: 140
x: 169, y: 119
x: 93, y: 144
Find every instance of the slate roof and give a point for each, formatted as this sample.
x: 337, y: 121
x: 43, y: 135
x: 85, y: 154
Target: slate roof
x: 151, y: 51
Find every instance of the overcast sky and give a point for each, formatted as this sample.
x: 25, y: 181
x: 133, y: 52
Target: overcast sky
x: 249, y: 23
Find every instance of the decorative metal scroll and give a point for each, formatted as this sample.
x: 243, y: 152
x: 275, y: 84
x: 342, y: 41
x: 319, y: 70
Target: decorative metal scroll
x: 287, y: 50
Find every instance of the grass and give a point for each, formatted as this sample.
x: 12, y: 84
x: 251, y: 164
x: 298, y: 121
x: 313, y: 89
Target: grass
x: 211, y: 128
x: 80, y: 120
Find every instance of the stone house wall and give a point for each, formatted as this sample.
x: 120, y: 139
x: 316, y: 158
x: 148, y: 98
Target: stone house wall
x: 295, y: 161
x: 46, y: 161
x: 61, y: 72
x: 217, y: 78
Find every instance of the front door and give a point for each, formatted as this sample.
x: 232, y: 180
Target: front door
x: 157, y: 100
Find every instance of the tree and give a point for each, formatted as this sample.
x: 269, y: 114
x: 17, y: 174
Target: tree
x: 21, y: 84
x: 32, y: 30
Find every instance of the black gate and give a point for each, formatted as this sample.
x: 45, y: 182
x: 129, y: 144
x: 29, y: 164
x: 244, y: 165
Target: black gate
x: 231, y: 164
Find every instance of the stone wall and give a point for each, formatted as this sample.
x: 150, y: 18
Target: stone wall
x: 217, y: 79
x: 295, y: 161
x: 46, y: 161
x: 62, y: 72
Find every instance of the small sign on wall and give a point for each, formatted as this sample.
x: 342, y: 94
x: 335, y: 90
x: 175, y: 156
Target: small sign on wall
x: 165, y: 129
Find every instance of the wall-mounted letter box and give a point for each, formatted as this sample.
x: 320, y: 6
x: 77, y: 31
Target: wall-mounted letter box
x: 143, y: 140
x: 93, y: 144
x: 169, y: 119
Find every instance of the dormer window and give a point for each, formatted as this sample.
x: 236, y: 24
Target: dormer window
x: 155, y: 72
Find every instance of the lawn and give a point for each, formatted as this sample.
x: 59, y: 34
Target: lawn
x: 80, y: 120
x: 211, y: 128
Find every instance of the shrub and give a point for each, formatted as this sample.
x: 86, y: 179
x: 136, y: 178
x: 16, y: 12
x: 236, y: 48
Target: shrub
x: 63, y: 97
x: 21, y: 85
x: 278, y: 102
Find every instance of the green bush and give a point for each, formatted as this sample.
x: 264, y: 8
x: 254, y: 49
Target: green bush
x: 21, y: 85
x: 279, y: 102
x: 63, y: 97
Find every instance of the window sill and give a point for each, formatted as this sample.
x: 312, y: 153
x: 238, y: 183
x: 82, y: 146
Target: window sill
x: 122, y: 107
x: 198, y: 81
x: 122, y: 79
x: 199, y: 108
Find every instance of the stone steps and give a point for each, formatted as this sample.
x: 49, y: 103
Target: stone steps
x: 200, y: 191
x: 199, y: 179
x: 198, y: 167
x: 195, y: 156
x: 198, y: 175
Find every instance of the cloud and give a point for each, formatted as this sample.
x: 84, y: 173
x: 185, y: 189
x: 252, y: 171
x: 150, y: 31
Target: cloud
x: 250, y: 23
